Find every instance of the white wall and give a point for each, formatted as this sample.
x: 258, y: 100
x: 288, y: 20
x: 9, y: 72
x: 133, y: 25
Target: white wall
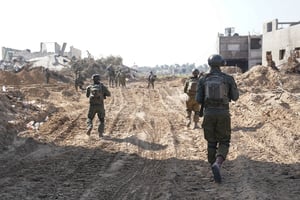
x: 276, y: 40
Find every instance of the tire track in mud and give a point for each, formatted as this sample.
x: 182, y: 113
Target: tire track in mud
x: 159, y: 124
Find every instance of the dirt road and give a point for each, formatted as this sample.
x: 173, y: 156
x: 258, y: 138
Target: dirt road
x: 147, y: 152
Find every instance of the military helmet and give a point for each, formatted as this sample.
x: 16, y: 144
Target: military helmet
x: 216, y: 60
x: 195, y: 72
x: 96, y: 77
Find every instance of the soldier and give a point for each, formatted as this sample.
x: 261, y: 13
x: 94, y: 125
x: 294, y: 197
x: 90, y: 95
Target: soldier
x: 79, y: 82
x: 190, y: 88
x: 96, y: 93
x: 47, y: 75
x: 111, y: 75
x: 151, y: 79
x: 122, y: 79
x: 214, y: 91
x: 117, y: 77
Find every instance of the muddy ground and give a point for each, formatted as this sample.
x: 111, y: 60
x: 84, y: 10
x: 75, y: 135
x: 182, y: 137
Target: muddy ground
x: 146, y: 152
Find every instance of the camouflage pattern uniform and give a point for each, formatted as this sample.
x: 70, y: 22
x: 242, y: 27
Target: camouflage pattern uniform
x: 117, y: 77
x: 96, y: 105
x: 217, y: 122
x: 47, y: 75
x: 79, y: 83
x: 111, y: 76
x: 151, y: 80
x: 191, y: 104
x: 122, y: 79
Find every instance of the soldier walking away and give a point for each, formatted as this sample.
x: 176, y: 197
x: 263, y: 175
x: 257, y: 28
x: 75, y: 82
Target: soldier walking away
x: 79, y: 83
x: 111, y: 76
x: 151, y: 80
x: 47, y: 75
x: 96, y: 93
x: 214, y: 91
x: 190, y: 88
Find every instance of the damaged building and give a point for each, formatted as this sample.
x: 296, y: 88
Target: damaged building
x: 51, y: 55
x: 241, y: 51
x: 281, y: 42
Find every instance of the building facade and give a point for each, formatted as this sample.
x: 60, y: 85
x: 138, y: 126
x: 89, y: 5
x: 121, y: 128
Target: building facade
x: 281, y: 41
x: 241, y: 51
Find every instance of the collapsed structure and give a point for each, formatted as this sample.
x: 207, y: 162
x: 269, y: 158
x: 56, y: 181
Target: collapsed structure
x: 51, y: 55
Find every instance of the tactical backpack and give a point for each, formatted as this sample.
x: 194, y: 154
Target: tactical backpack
x: 96, y: 94
x: 192, y: 86
x: 152, y: 78
x: 216, y: 91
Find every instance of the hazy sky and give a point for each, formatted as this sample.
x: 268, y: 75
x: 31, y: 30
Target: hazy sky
x: 144, y: 32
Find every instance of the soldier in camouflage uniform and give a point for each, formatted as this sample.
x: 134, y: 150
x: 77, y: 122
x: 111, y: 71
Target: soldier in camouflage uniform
x: 215, y: 90
x: 47, y: 75
x: 151, y: 80
x: 111, y: 76
x: 96, y: 94
x: 190, y: 88
x: 122, y: 79
x: 79, y: 82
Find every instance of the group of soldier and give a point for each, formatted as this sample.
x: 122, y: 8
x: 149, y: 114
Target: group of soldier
x: 211, y: 91
x: 116, y: 78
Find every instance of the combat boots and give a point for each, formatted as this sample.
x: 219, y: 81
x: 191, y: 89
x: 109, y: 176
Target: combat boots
x: 216, y: 169
x: 196, y: 126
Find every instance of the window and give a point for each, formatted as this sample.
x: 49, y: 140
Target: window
x: 269, y: 56
x: 269, y: 27
x: 255, y: 43
x: 281, y: 54
x: 233, y: 47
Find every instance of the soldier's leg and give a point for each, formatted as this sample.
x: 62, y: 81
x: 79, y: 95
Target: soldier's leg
x: 189, y: 108
x: 90, y: 117
x: 196, y: 109
x: 223, y: 137
x: 188, y: 117
x: 223, y: 134
x: 211, y: 152
x: 209, y: 135
x: 101, y: 127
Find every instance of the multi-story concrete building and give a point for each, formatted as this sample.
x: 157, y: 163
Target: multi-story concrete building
x: 281, y: 41
x: 241, y: 51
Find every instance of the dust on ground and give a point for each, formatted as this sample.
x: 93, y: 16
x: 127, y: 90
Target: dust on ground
x: 147, y: 152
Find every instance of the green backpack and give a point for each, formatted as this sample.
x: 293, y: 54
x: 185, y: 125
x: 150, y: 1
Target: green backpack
x: 96, y: 94
x: 216, y: 91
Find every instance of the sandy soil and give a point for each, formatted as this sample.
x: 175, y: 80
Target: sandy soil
x: 147, y: 152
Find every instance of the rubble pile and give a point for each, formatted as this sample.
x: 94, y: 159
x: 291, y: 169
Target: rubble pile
x: 260, y: 78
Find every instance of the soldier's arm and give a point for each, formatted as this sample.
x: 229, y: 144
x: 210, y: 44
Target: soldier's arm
x: 185, y: 86
x: 106, y: 92
x: 88, y: 92
x: 200, y: 91
x: 233, y: 90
